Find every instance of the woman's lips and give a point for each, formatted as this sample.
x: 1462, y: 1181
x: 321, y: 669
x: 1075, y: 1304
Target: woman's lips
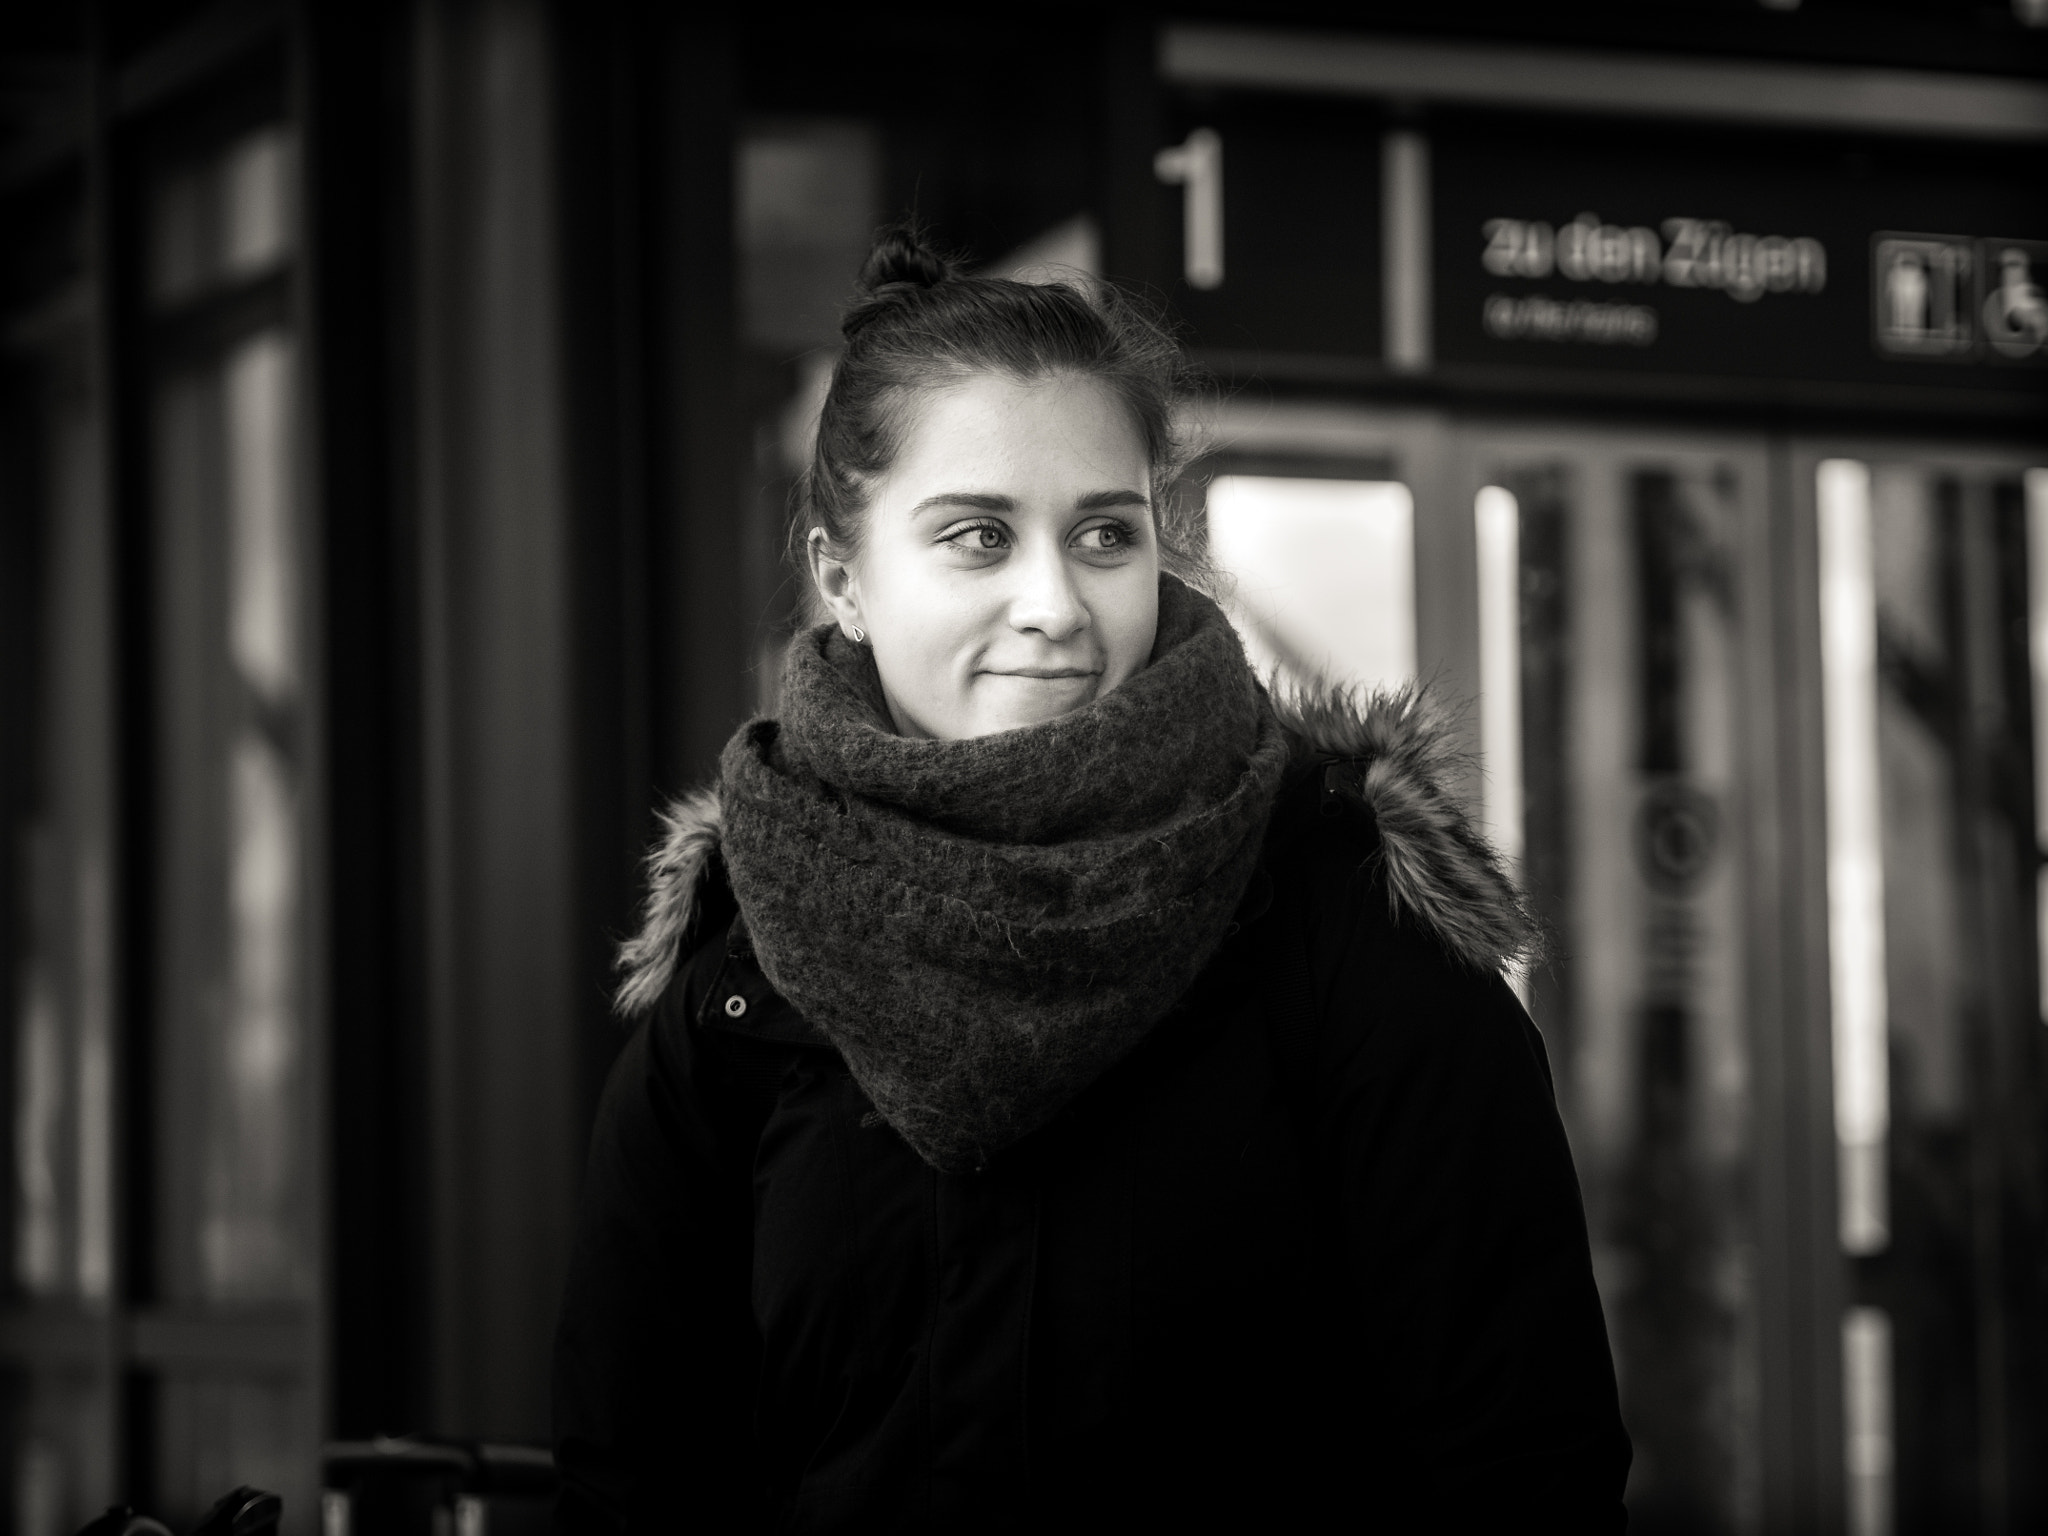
x: 1045, y: 673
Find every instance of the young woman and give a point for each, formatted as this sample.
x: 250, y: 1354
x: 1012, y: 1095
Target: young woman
x: 1068, y: 1083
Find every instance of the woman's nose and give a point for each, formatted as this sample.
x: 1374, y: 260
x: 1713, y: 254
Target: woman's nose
x: 1046, y: 599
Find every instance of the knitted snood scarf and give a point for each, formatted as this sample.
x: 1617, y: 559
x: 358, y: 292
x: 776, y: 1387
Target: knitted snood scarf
x: 983, y: 927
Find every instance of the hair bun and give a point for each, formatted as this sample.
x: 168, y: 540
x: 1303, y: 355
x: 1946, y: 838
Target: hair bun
x: 900, y: 256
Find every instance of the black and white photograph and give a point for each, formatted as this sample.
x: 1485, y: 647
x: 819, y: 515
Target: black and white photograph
x: 883, y: 768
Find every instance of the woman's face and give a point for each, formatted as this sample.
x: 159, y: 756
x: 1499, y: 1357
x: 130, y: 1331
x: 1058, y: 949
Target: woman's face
x: 1009, y: 570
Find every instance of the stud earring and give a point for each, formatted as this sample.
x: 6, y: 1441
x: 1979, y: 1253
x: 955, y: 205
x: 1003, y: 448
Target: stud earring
x: 860, y: 636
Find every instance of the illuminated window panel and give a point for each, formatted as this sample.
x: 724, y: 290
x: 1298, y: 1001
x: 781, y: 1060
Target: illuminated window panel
x: 1867, y: 1419
x: 1855, y: 851
x: 1321, y: 575
x: 1497, y: 519
x: 235, y: 1199
x: 1497, y: 525
x: 2037, y: 653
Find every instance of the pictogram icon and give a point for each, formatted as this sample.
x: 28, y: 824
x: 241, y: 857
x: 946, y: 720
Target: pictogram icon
x: 1921, y: 292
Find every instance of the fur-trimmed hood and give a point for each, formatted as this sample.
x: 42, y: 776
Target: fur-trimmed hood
x: 1439, y: 871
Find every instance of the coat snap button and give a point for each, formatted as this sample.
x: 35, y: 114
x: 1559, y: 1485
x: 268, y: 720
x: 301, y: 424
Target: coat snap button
x: 735, y: 1006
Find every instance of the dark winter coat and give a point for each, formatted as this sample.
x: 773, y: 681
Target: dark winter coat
x: 1314, y: 1251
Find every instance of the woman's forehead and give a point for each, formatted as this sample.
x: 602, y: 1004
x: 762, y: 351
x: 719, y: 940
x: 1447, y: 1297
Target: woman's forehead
x: 994, y: 428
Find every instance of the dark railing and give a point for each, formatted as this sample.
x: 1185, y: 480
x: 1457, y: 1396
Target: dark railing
x: 389, y: 1487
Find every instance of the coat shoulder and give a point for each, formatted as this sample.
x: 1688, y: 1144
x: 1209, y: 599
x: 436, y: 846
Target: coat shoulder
x: 1387, y: 759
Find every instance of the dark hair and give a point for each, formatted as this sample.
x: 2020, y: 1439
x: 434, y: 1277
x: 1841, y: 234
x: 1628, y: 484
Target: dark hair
x: 921, y: 322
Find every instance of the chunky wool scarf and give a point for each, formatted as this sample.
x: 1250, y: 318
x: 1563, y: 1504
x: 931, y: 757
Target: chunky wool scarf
x: 982, y: 927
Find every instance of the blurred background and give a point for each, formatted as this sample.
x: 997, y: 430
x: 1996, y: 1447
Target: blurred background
x: 398, y: 406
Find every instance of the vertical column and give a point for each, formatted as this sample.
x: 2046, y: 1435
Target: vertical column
x: 1404, y: 226
x: 355, y: 115
x: 1806, y: 1286
x: 1798, y: 1268
x: 696, y: 510
x: 1129, y: 195
x: 112, y: 244
x: 1447, y: 627
x: 497, y: 711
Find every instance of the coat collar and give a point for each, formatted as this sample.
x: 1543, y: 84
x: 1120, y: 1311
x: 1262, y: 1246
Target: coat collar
x: 1390, y: 752
x: 1393, y: 752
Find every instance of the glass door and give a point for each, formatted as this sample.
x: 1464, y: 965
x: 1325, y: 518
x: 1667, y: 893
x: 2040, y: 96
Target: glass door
x: 1757, y: 723
x: 1930, y: 568
x: 232, y: 1269
x: 1625, y: 721
x: 162, y: 1333
x: 1342, y: 560
x: 58, y: 937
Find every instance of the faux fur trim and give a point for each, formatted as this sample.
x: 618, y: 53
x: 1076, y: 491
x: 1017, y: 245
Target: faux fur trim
x: 692, y: 828
x: 1439, y: 870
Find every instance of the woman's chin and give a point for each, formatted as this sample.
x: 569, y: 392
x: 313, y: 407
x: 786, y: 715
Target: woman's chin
x: 1011, y: 703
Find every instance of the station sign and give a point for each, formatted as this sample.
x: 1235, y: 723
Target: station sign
x: 1296, y: 269
x: 1630, y: 259
x: 1705, y: 260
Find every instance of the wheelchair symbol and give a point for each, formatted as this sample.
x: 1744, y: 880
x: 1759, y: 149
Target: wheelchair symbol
x: 2016, y: 310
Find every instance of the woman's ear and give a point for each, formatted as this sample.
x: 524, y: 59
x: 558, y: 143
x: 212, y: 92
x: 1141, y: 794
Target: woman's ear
x: 837, y: 587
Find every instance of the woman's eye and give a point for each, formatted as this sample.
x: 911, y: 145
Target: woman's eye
x: 1104, y: 537
x: 977, y: 538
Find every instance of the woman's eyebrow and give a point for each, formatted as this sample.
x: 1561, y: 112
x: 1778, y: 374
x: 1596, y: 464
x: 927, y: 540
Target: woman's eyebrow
x: 1094, y: 501
x: 977, y: 501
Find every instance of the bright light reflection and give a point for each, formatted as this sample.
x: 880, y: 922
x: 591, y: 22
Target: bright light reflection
x: 256, y: 201
x: 1855, y: 850
x: 2037, y: 648
x: 263, y: 595
x: 1867, y: 1419
x: 1497, y: 526
x: 1497, y: 521
x: 1324, y: 574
